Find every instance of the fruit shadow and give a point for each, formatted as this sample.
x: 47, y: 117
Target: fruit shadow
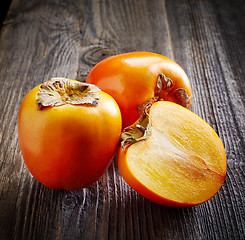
x: 154, y: 220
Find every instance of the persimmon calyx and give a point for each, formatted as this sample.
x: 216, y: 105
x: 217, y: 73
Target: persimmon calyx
x: 163, y: 83
x: 183, y: 98
x: 138, y: 131
x: 60, y: 91
x: 166, y: 84
x: 143, y: 109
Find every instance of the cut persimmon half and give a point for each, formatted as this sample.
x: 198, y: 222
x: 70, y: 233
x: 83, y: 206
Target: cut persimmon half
x: 172, y: 157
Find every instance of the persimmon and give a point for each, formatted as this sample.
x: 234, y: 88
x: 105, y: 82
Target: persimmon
x: 68, y: 133
x: 172, y: 157
x: 133, y: 79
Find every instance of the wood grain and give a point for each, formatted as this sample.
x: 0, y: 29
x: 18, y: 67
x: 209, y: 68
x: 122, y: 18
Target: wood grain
x: 44, y: 39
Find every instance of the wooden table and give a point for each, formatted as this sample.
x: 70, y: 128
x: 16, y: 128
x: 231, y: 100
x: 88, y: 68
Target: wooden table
x: 43, y: 39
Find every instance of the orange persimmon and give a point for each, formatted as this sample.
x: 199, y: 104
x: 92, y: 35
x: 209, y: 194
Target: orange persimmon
x: 135, y: 78
x: 172, y: 157
x: 68, y: 133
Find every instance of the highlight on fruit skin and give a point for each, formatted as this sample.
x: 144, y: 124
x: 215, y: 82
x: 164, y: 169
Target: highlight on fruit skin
x: 179, y: 162
x: 135, y: 78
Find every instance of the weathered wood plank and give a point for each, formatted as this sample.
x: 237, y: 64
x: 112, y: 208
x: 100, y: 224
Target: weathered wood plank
x: 122, y: 26
x: 36, y: 44
x: 214, y: 54
x: 50, y: 38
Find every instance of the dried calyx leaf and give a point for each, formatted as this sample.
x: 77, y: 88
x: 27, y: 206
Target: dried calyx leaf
x: 163, y: 83
x: 144, y: 108
x: 183, y: 98
x: 59, y: 91
x: 140, y: 130
x: 166, y: 84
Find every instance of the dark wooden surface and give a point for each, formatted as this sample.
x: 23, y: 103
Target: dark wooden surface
x: 43, y: 39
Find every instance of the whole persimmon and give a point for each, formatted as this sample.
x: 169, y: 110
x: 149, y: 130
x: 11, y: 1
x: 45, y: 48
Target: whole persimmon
x: 68, y: 133
x: 172, y: 157
x: 136, y: 78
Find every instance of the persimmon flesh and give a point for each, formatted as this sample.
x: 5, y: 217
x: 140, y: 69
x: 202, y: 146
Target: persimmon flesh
x: 182, y: 161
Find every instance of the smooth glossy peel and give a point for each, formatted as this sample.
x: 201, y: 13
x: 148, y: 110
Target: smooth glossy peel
x: 181, y: 163
x: 137, y: 78
x: 70, y: 141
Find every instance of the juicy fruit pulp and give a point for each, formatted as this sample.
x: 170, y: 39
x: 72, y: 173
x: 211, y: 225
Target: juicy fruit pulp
x: 181, y: 163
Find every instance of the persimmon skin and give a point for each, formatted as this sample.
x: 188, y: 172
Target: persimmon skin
x: 131, y: 79
x: 69, y: 146
x: 130, y: 177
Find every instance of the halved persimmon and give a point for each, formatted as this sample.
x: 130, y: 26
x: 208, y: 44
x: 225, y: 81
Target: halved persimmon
x: 172, y: 157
